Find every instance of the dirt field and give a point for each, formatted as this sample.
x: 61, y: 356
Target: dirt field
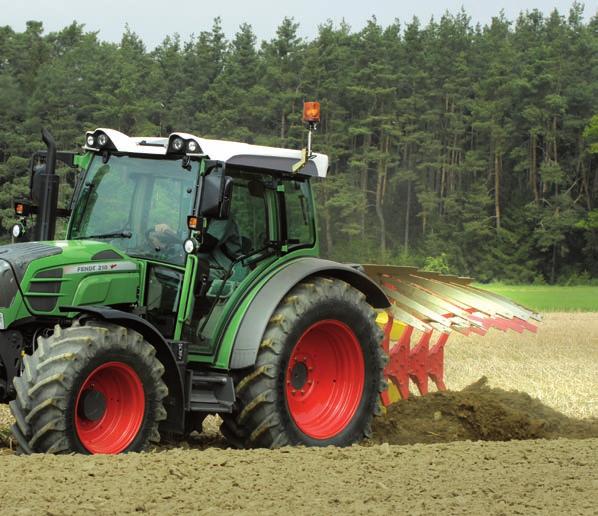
x: 482, y: 449
x: 523, y: 477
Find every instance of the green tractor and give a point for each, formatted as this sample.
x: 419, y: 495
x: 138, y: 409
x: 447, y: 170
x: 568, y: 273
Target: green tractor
x: 189, y: 284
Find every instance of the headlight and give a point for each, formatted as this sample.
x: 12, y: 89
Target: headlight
x: 18, y: 230
x: 177, y: 144
x: 192, y: 146
x: 191, y: 245
x: 91, y: 141
x: 102, y: 140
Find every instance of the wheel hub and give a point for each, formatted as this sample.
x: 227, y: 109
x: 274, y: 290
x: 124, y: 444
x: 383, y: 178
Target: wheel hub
x: 299, y: 375
x: 92, y: 405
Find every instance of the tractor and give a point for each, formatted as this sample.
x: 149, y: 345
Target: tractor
x: 190, y: 283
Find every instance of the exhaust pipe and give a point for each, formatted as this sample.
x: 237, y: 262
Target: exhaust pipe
x: 46, y: 190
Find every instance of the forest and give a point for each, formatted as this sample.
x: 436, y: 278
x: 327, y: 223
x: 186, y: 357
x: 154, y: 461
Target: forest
x: 454, y: 146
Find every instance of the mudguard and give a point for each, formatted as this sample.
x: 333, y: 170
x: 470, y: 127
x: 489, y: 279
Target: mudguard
x: 255, y: 320
x: 175, y: 401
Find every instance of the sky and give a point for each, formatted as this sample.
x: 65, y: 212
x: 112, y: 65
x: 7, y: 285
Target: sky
x: 155, y: 19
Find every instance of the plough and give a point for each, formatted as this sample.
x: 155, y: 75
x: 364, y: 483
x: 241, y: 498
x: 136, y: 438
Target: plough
x: 429, y: 302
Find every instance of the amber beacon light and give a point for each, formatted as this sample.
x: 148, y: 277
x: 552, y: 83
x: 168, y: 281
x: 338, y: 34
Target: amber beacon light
x: 311, y: 112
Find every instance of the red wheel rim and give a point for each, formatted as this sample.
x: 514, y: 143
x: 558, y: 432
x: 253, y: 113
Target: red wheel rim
x: 112, y: 424
x: 325, y: 379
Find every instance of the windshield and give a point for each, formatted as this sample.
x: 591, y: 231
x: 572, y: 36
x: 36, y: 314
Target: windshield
x: 139, y: 205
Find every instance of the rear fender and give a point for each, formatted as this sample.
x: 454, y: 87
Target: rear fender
x: 173, y: 378
x: 259, y: 312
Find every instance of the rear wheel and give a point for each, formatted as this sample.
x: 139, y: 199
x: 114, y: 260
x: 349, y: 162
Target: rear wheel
x: 318, y: 373
x: 93, y: 389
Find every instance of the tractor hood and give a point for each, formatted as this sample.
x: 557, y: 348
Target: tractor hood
x: 38, y: 278
x: 21, y: 255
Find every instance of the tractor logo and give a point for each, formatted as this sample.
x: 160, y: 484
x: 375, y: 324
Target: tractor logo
x: 93, y: 268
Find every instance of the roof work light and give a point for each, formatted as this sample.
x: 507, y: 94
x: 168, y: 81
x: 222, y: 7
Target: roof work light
x: 99, y: 140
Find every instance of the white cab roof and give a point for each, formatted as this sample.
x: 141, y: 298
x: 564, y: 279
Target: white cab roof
x: 234, y: 153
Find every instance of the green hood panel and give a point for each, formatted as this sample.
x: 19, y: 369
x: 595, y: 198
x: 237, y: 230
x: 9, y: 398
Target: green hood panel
x: 21, y: 255
x: 68, y: 273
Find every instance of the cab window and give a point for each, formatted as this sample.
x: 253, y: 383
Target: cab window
x: 247, y: 228
x: 299, y: 212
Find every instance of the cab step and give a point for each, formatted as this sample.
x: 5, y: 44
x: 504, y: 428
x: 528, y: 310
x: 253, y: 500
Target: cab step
x: 210, y: 392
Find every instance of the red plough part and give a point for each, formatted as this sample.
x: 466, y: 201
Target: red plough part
x: 418, y: 364
x: 427, y: 301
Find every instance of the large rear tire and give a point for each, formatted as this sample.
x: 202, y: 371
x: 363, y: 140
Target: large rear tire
x: 318, y: 373
x: 93, y: 389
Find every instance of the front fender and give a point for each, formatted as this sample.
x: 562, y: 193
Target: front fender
x: 254, y: 322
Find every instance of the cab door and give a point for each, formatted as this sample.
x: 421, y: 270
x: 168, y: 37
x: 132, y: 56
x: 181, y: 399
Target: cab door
x: 231, y: 250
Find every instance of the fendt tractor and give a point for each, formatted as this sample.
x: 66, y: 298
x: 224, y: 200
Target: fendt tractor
x: 189, y: 284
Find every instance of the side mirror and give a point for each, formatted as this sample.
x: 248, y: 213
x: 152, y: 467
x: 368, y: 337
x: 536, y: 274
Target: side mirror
x: 216, y: 196
x: 227, y: 197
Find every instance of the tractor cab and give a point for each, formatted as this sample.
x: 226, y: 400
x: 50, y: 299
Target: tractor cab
x: 197, y: 217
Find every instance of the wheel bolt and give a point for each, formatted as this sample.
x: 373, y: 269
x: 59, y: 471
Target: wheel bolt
x: 302, y: 391
x: 293, y: 391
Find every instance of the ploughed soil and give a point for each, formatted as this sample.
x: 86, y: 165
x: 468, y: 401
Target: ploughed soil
x: 517, y: 477
x: 414, y: 464
x: 477, y: 412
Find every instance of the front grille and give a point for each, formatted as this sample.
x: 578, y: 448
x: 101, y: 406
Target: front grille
x: 45, y: 283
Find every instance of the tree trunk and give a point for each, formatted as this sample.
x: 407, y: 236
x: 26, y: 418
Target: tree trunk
x: 407, y: 216
x: 553, y: 267
x: 380, y: 188
x: 282, y: 125
x: 534, y: 168
x: 497, y: 172
x: 364, y: 186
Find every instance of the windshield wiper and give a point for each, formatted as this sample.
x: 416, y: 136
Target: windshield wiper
x: 118, y: 234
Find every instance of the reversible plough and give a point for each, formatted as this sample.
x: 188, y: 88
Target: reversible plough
x: 428, y: 302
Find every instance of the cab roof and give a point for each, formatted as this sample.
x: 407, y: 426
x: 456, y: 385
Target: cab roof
x: 233, y: 153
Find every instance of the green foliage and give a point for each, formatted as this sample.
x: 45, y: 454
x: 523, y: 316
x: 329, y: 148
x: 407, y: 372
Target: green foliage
x: 591, y: 134
x: 437, y: 264
x: 549, y: 298
x: 465, y: 149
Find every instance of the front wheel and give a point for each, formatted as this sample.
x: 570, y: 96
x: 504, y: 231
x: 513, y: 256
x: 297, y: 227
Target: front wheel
x: 318, y: 373
x: 94, y: 389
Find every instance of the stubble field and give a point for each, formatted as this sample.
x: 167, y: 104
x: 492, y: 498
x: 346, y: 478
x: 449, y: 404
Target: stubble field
x: 481, y: 448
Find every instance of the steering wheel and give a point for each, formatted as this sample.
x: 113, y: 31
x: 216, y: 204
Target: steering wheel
x: 167, y: 243
x: 167, y: 239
